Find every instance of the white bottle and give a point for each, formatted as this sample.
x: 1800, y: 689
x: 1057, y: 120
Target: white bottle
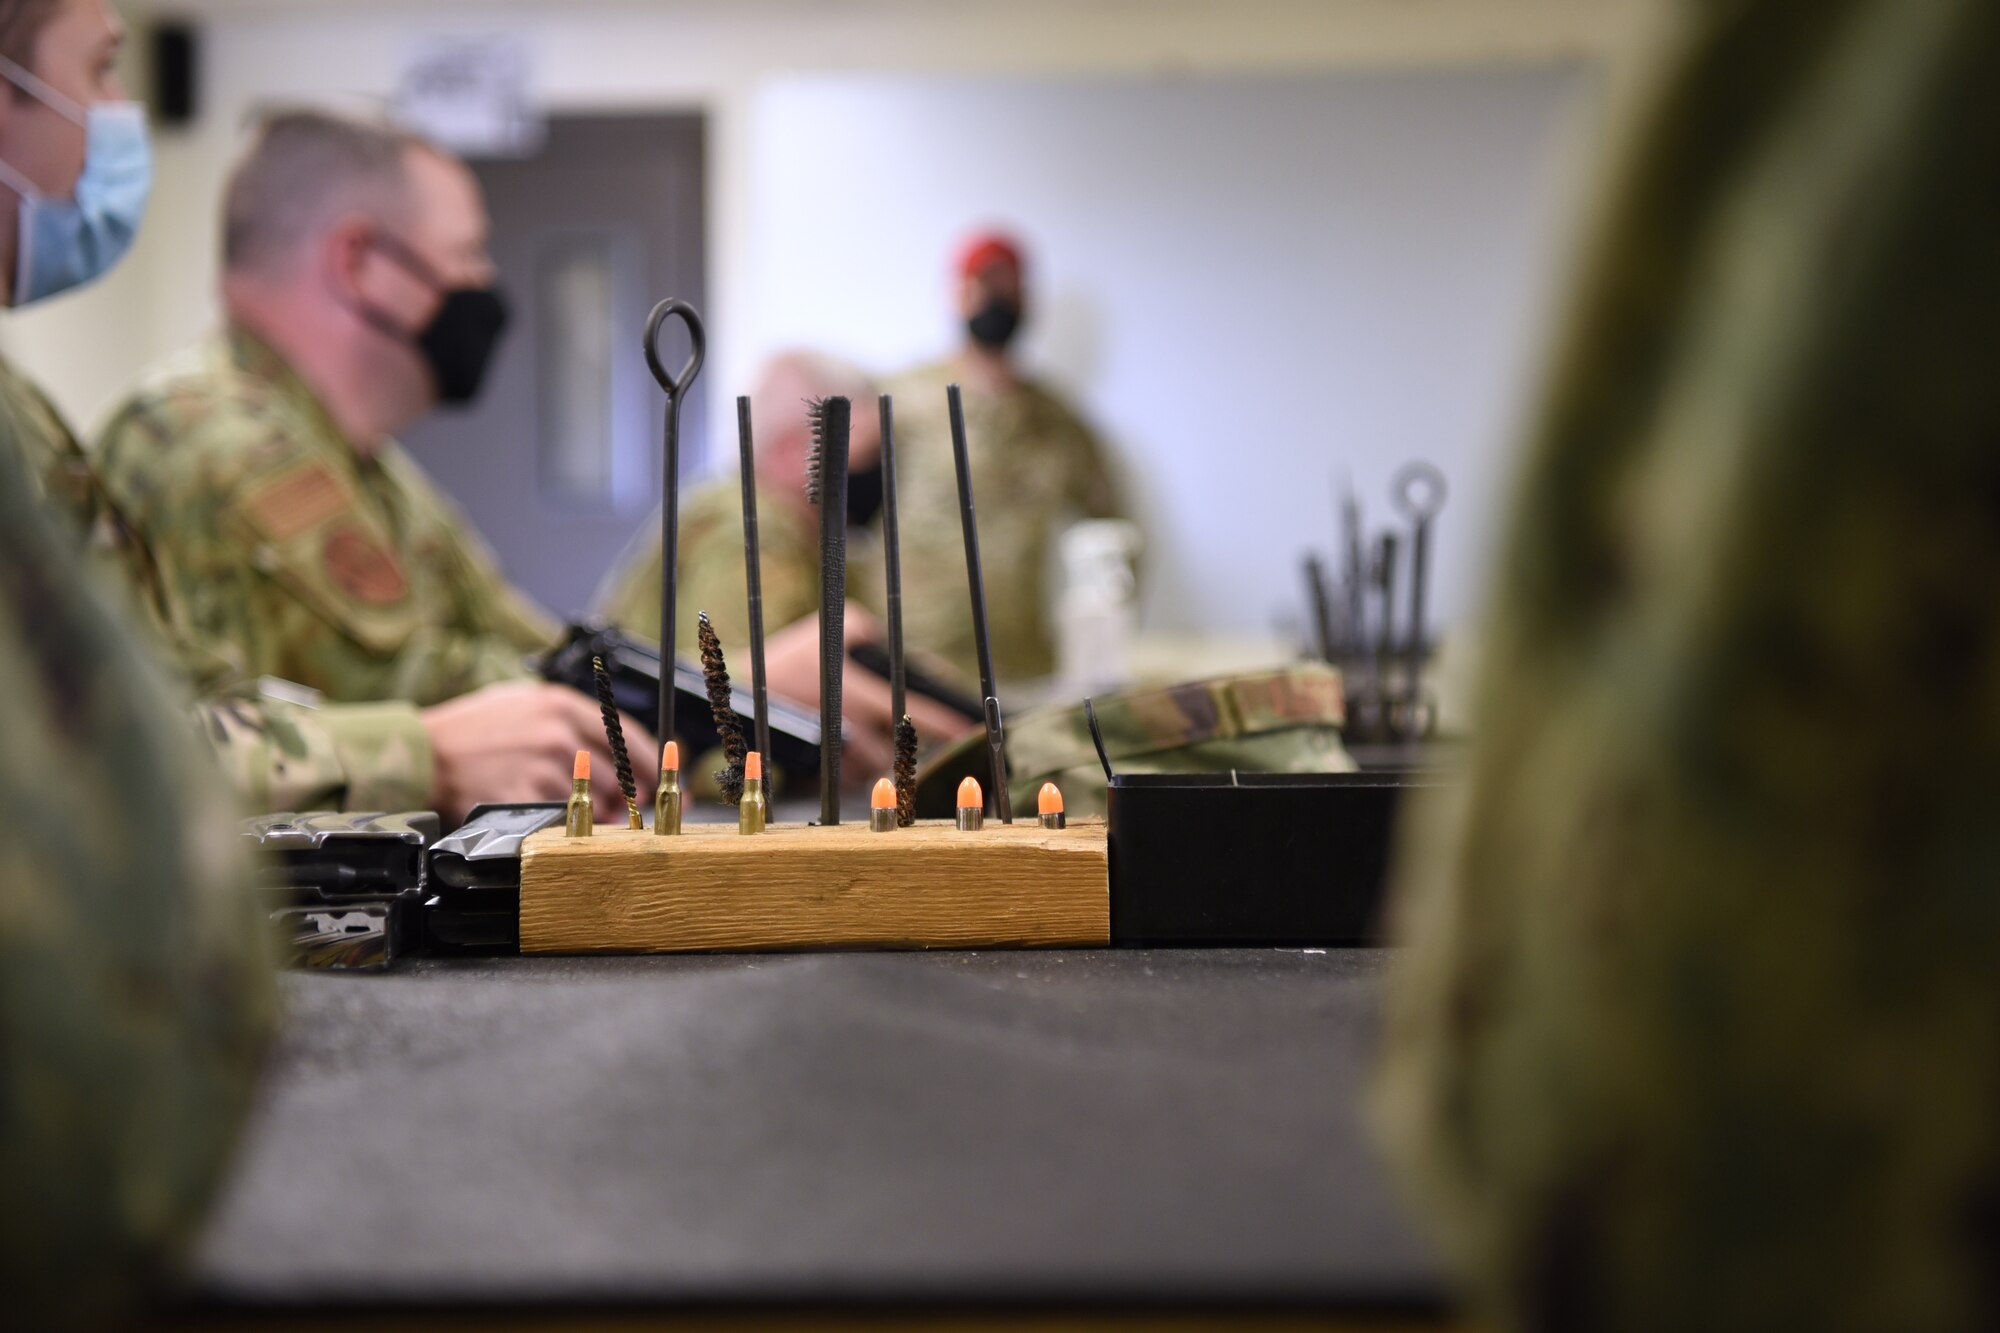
x: 1097, y: 612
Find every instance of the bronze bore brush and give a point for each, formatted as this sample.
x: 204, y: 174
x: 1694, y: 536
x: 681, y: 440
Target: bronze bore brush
x: 906, y: 771
x: 614, y: 732
x: 826, y: 486
x: 715, y: 676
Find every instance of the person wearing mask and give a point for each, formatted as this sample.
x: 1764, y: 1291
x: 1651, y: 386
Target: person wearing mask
x: 711, y: 569
x: 136, y: 986
x: 1694, y: 1022
x: 1036, y: 468
x: 75, y: 172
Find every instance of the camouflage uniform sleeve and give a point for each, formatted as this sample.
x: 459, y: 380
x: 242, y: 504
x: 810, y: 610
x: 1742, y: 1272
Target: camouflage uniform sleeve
x: 270, y: 562
x: 136, y: 991
x: 1696, y: 1020
x: 294, y: 755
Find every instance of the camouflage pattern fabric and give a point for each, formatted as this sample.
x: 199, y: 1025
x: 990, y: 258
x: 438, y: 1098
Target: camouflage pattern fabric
x: 1035, y: 469
x: 1282, y: 721
x: 281, y: 753
x: 712, y: 574
x: 288, y: 553
x: 1697, y: 1022
x: 135, y: 975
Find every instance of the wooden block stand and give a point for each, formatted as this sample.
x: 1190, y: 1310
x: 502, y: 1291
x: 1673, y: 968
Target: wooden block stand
x: 805, y: 887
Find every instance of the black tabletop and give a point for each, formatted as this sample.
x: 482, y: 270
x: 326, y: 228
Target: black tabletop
x: 1101, y: 1126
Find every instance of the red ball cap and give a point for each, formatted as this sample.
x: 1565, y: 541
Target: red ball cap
x: 982, y: 248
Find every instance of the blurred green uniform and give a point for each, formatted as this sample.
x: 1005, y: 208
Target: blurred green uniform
x: 135, y: 983
x: 712, y: 576
x: 284, y: 551
x: 1035, y: 469
x: 1698, y: 1023
x: 280, y: 755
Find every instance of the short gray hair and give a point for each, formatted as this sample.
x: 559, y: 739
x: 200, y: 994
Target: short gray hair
x: 304, y: 169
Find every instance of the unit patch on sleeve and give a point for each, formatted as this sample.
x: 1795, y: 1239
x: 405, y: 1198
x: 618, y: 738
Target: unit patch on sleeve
x: 296, y: 502
x: 360, y: 567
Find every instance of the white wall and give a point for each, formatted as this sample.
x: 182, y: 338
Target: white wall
x: 1245, y: 283
x: 737, y: 60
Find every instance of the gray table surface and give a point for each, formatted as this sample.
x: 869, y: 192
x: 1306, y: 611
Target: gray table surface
x: 1072, y: 1125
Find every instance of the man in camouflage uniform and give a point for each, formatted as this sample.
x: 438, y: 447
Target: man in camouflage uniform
x: 284, y: 747
x: 712, y: 573
x: 1035, y: 468
x: 135, y: 983
x: 1696, y: 1026
x: 293, y: 533
x: 711, y: 568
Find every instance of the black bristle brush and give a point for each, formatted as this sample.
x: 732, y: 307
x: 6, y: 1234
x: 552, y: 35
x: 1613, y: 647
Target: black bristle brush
x: 614, y: 732
x: 826, y: 487
x: 892, y: 560
x: 715, y: 677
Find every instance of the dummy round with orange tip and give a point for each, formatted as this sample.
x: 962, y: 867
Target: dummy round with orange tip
x: 882, y: 806
x: 667, y: 800
x: 752, y: 811
x: 1049, y: 804
x: 971, y: 806
x: 578, y: 814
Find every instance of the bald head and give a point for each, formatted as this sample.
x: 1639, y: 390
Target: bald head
x: 785, y: 384
x: 303, y: 172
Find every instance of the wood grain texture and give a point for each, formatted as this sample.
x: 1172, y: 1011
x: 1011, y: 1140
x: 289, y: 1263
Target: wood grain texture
x: 805, y: 887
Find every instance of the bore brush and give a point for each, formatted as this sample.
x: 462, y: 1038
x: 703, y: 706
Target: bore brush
x: 892, y: 560
x: 996, y: 736
x: 614, y: 732
x: 753, y: 578
x: 826, y: 486
x: 906, y: 770
x: 715, y: 676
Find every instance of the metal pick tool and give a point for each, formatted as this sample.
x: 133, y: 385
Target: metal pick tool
x: 677, y: 387
x: 1420, y: 494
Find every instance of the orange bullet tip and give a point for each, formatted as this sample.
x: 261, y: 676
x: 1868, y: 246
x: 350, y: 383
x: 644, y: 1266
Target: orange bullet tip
x: 1049, y: 800
x: 670, y: 756
x: 970, y: 797
x: 753, y: 767
x: 582, y: 773
x: 884, y: 795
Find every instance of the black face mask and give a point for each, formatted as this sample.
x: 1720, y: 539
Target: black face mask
x: 994, y: 324
x: 458, y: 344
x: 864, y: 496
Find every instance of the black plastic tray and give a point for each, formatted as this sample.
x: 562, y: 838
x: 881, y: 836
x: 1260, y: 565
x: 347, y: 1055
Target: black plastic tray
x: 1253, y: 858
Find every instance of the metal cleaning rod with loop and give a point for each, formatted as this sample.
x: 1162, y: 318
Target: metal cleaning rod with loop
x: 676, y: 387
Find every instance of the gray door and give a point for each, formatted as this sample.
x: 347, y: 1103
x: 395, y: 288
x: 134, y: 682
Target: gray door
x: 558, y: 463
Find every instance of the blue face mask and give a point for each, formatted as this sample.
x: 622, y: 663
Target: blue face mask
x: 67, y: 242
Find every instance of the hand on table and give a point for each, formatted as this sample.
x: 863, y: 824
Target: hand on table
x: 517, y: 741
x: 791, y: 669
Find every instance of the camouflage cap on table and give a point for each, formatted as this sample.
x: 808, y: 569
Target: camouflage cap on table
x: 1286, y: 720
